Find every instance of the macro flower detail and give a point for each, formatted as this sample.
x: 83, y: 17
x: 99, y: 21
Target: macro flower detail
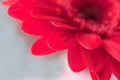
x: 88, y: 29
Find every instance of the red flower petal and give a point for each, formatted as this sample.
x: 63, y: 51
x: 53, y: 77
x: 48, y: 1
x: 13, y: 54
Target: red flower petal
x: 104, y: 74
x: 18, y: 11
x: 9, y: 2
x: 115, y: 67
x: 112, y: 48
x: 115, y: 34
x: 37, y: 26
x: 45, y: 17
x: 75, y: 60
x: 42, y: 6
x: 40, y: 47
x: 63, y: 25
x: 94, y: 75
x: 116, y: 39
x: 95, y: 59
x: 88, y: 41
x: 61, y: 39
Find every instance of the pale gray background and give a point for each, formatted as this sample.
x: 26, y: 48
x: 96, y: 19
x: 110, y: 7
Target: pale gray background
x: 17, y: 63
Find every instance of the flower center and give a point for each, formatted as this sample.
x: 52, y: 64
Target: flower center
x: 93, y: 16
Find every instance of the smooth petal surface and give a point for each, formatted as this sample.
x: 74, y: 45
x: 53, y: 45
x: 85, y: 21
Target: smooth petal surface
x: 9, y: 2
x: 61, y: 39
x: 40, y: 47
x: 95, y: 59
x: 116, y: 39
x: 104, y: 74
x: 42, y: 6
x: 18, y: 11
x: 63, y: 25
x: 37, y: 26
x: 94, y: 75
x: 45, y: 17
x: 115, y: 34
x: 112, y: 48
x: 115, y: 67
x: 75, y: 59
x: 88, y: 41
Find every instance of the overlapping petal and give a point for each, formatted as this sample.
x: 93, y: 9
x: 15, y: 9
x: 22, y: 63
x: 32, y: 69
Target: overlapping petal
x: 41, y: 6
x: 75, y: 59
x: 63, y: 25
x: 88, y: 41
x: 37, y: 26
x: 112, y: 48
x: 45, y: 17
x: 40, y: 47
x: 115, y: 67
x: 59, y: 40
x: 9, y: 2
x: 18, y: 11
x: 95, y: 59
x: 104, y: 74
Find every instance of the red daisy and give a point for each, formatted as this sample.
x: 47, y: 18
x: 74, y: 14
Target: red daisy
x: 89, y: 29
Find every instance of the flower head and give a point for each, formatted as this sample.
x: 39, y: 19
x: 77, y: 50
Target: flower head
x: 89, y: 29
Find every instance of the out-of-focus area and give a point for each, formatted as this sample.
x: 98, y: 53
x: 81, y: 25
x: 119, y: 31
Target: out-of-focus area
x: 17, y: 62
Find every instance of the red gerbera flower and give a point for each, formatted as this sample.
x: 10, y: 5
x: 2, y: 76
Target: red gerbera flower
x: 89, y: 29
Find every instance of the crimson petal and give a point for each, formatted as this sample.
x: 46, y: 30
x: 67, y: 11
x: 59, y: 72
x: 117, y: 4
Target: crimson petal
x: 42, y: 6
x: 115, y: 67
x: 112, y: 48
x: 37, y: 26
x: 94, y: 75
x: 88, y: 41
x: 9, y: 2
x: 45, y: 17
x: 40, y: 47
x: 63, y: 25
x: 61, y: 39
x: 104, y: 74
x: 95, y: 59
x: 75, y: 60
x: 115, y: 34
x: 116, y: 39
x: 18, y: 11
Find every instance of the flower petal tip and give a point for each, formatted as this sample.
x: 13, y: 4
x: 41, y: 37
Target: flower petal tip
x: 88, y: 41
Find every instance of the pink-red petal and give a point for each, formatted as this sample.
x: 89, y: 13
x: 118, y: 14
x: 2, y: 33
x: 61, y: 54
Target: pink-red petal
x: 40, y: 47
x: 112, y: 48
x: 37, y: 26
x: 75, y: 59
x: 62, y: 39
x: 9, y: 2
x: 18, y: 11
x: 95, y: 59
x: 41, y: 6
x: 115, y: 34
x: 116, y: 39
x: 115, y: 67
x: 88, y: 41
x: 63, y: 25
x: 45, y: 17
x: 104, y: 74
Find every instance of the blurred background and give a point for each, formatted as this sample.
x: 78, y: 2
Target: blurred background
x: 17, y: 62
